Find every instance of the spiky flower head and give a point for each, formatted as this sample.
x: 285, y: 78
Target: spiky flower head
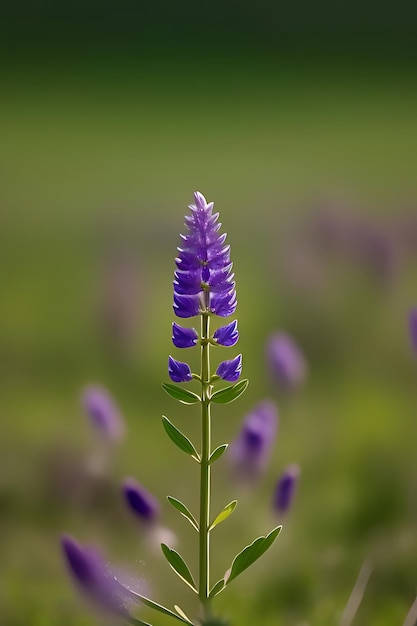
x: 203, y: 279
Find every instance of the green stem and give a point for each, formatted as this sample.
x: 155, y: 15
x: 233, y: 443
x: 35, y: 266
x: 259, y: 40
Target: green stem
x: 204, y: 537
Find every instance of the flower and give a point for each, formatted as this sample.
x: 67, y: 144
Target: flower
x: 93, y: 577
x: 285, y: 488
x: 230, y: 370
x: 183, y: 337
x: 413, y: 328
x: 203, y: 281
x: 179, y: 372
x: 227, y: 335
x: 251, y: 450
x: 142, y: 503
x: 286, y: 362
x: 103, y: 412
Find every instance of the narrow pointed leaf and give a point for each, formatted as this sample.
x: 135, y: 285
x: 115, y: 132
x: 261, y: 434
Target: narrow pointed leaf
x: 181, y: 612
x: 137, y: 597
x: 218, y: 452
x: 177, y: 437
x: 251, y: 553
x: 224, y: 514
x: 177, y: 504
x: 179, y: 566
x: 136, y: 622
x: 181, y: 394
x: 229, y: 394
x: 217, y: 588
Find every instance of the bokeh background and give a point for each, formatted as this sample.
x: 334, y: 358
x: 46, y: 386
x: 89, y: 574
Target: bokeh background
x: 300, y: 122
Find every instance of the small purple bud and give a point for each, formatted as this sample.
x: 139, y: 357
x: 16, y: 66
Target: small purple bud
x: 227, y: 335
x: 413, y: 328
x: 103, y: 412
x: 93, y: 578
x: 230, y: 370
x: 178, y: 372
x: 286, y: 362
x: 251, y: 450
x: 284, y: 491
x: 183, y: 337
x: 142, y: 503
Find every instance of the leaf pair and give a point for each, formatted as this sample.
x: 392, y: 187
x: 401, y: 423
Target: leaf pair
x: 223, y: 396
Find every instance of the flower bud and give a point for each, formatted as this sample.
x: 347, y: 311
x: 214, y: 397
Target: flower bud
x: 227, y: 335
x: 178, y: 372
x: 142, y: 503
x: 183, y: 337
x: 284, y: 491
x: 230, y: 370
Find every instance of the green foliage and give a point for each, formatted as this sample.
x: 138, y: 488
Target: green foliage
x: 181, y: 394
x: 218, y: 452
x: 177, y: 504
x: 179, y: 566
x: 137, y: 597
x: 224, y: 514
x: 231, y: 393
x: 251, y: 553
x: 180, y: 440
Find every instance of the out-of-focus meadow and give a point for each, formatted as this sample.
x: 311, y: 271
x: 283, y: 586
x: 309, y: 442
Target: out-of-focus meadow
x: 312, y: 166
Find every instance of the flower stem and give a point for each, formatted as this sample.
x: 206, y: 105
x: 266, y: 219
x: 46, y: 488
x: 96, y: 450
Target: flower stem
x: 204, y: 538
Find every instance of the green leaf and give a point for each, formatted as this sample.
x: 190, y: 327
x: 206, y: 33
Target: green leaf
x: 218, y: 452
x: 229, y: 394
x: 224, y: 514
x: 177, y: 504
x: 181, y: 612
x: 251, y: 553
x: 217, y: 588
x: 179, y: 566
x: 137, y: 597
x: 179, y: 439
x: 183, y: 395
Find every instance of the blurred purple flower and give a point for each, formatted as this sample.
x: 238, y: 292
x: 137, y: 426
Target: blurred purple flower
x: 285, y: 488
x: 93, y: 577
x: 413, y: 327
x: 103, y: 412
x: 227, y: 335
x: 203, y: 279
x: 179, y: 372
x: 250, y: 452
x: 183, y: 337
x: 230, y: 370
x: 142, y: 503
x: 285, y: 360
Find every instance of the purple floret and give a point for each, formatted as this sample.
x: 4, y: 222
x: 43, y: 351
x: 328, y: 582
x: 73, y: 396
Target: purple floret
x: 178, y: 371
x: 183, y: 337
x: 230, y: 370
x: 284, y: 491
x: 227, y: 335
x: 142, y: 503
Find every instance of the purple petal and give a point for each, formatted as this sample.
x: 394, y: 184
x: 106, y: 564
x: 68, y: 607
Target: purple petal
x: 178, y: 372
x: 284, y: 491
x: 186, y: 306
x: 413, y: 327
x: 143, y: 504
x: 103, y: 412
x: 230, y: 370
x: 286, y: 362
x: 183, y: 337
x: 227, y: 335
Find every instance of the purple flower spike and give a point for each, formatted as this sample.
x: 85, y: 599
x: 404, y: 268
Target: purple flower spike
x: 142, y: 503
x: 93, y: 578
x: 251, y: 451
x: 413, y: 328
x: 230, y: 370
x: 183, y: 337
x: 203, y: 281
x: 103, y: 412
x: 178, y: 372
x: 286, y: 362
x: 284, y: 491
x: 227, y: 335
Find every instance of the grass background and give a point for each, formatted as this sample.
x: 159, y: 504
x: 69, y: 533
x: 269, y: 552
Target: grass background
x: 101, y: 148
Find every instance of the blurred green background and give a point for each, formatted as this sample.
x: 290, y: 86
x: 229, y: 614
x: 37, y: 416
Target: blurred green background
x: 300, y: 122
